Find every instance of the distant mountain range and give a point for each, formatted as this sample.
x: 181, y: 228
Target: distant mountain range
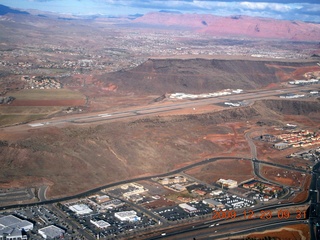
x: 233, y: 26
x: 236, y: 25
x: 4, y: 10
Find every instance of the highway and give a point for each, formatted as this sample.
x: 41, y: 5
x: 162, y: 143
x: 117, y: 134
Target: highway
x: 221, y: 229
x: 314, y: 213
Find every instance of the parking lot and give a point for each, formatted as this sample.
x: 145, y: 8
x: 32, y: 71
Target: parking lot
x: 176, y: 213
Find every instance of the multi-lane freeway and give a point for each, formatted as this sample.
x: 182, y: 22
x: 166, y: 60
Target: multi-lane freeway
x: 224, y: 229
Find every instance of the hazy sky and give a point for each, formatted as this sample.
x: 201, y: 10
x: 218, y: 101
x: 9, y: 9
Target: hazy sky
x: 306, y: 10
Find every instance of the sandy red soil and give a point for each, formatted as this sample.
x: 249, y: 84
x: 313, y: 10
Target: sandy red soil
x: 159, y: 203
x: 238, y: 170
x: 67, y: 102
x: 300, y: 232
x: 283, y: 176
x: 302, y: 196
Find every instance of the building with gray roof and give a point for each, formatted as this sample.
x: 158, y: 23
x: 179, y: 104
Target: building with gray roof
x: 51, y: 232
x: 11, y: 228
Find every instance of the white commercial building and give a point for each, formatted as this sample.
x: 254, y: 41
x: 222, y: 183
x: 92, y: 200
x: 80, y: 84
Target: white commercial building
x: 51, y: 232
x: 229, y: 183
x: 100, y: 223
x: 213, y: 203
x: 80, y: 209
x: 187, y: 208
x: 216, y: 192
x: 130, y: 216
x: 102, y: 199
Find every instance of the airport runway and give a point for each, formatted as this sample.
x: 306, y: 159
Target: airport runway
x: 142, y: 111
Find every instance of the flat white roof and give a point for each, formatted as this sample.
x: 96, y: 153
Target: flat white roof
x: 36, y: 124
x: 211, y: 201
x: 126, y: 214
x: 187, y: 207
x: 9, y: 220
x: 102, y: 197
x: 101, y: 223
x: 80, y: 208
x: 14, y: 222
x: 51, y: 231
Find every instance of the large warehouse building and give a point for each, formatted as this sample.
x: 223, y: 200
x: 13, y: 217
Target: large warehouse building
x: 11, y: 228
x: 80, y: 209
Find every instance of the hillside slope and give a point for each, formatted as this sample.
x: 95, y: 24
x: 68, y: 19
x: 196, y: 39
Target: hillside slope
x: 5, y: 10
x: 65, y: 157
x: 158, y: 76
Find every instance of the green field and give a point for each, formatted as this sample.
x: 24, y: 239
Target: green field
x: 46, y: 94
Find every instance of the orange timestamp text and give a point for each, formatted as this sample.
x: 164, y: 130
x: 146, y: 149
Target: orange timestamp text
x: 262, y: 214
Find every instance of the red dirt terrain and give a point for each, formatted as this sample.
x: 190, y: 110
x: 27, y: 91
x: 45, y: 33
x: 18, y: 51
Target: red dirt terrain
x: 114, y: 151
x: 159, y: 76
x: 66, y: 102
x: 291, y: 232
x: 238, y: 170
x: 286, y: 73
x: 237, y: 26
